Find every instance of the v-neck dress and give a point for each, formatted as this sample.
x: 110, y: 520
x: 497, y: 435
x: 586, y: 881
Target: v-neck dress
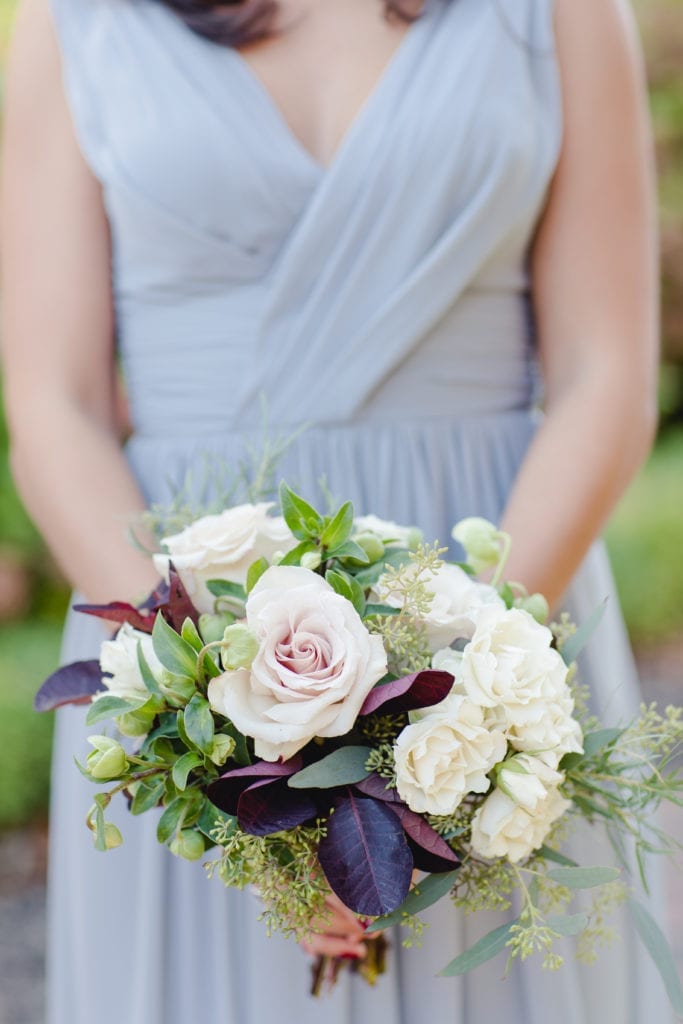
x: 383, y: 300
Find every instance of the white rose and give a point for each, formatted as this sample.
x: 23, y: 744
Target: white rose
x: 445, y: 756
x: 503, y: 828
x: 456, y: 605
x: 509, y: 662
x: 223, y: 547
x: 386, y: 530
x: 526, y: 780
x: 547, y: 729
x: 120, y: 658
x: 315, y: 665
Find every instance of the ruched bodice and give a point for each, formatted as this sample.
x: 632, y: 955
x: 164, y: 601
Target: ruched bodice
x: 396, y: 277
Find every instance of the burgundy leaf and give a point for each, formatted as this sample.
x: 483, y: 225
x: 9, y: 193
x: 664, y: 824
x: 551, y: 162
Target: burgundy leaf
x: 431, y: 852
x: 365, y: 855
x: 179, y: 606
x: 271, y: 806
x: 419, y: 690
x: 71, y: 684
x: 374, y: 785
x: 119, y: 611
x: 226, y: 791
x: 157, y: 599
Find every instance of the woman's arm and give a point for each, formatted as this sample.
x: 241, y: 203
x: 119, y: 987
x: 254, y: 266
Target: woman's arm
x: 57, y: 329
x: 595, y: 288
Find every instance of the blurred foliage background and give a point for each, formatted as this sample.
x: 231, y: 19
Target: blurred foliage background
x: 645, y: 537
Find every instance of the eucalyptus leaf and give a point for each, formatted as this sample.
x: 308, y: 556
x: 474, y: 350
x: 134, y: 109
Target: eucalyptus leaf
x: 594, y: 742
x: 429, y: 890
x: 657, y: 946
x: 174, y: 653
x: 340, y: 768
x: 568, y: 924
x: 584, y: 878
x: 553, y: 855
x: 576, y: 643
x: 487, y: 947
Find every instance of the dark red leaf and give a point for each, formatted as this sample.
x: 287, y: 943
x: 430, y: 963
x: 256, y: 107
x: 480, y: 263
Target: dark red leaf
x: 365, y: 855
x: 72, y: 684
x: 431, y: 852
x: 271, y: 806
x: 374, y: 785
x: 226, y: 791
x: 419, y: 690
x: 179, y: 606
x: 119, y: 611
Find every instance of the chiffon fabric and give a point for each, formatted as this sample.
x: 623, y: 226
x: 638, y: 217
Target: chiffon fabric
x: 383, y: 300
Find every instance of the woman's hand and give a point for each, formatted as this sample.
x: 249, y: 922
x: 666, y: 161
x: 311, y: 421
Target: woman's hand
x: 342, y: 932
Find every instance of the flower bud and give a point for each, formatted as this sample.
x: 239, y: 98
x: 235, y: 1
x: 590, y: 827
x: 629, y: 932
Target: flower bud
x: 135, y: 723
x: 414, y: 538
x: 371, y: 544
x: 537, y: 606
x: 188, y: 844
x: 112, y: 836
x: 212, y: 627
x: 481, y: 541
x: 108, y: 760
x: 239, y: 647
x: 311, y: 560
x: 222, y: 748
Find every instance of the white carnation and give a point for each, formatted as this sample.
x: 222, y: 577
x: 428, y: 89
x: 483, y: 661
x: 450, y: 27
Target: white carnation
x: 504, y: 828
x: 119, y: 658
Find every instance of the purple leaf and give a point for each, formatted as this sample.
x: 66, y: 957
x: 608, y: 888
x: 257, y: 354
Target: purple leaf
x: 119, y: 611
x: 179, y: 606
x: 376, y: 787
x: 226, y: 791
x: 271, y: 806
x: 365, y: 855
x: 419, y: 690
x: 430, y: 851
x: 72, y: 684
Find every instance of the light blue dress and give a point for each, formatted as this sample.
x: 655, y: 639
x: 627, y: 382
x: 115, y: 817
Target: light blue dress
x: 385, y: 299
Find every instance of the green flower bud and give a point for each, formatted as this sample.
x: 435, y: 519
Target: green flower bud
x: 414, y: 538
x: 135, y: 723
x: 222, y: 748
x: 112, y: 836
x: 536, y: 605
x: 371, y: 544
x: 481, y: 541
x: 239, y: 647
x: 188, y: 844
x: 212, y: 627
x: 108, y: 760
x: 277, y: 557
x: 311, y: 560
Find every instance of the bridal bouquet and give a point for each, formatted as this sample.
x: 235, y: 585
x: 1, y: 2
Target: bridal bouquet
x: 328, y: 704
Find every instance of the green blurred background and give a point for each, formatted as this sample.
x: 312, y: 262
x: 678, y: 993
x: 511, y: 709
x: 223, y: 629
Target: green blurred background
x: 645, y: 537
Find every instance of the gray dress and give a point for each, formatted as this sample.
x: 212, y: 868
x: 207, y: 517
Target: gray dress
x: 385, y: 300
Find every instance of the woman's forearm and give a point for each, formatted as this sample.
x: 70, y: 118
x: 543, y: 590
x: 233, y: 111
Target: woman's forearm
x: 590, y: 444
x: 78, y: 488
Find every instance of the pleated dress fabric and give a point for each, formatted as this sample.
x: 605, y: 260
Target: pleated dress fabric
x: 383, y: 300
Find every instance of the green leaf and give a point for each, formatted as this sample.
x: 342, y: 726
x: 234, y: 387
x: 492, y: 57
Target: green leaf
x: 657, y: 946
x: 576, y: 643
x: 240, y: 754
x: 301, y: 518
x: 507, y: 594
x: 349, y: 549
x: 428, y: 890
x: 347, y: 587
x: 368, y: 577
x: 338, y: 529
x: 584, y: 878
x: 110, y: 707
x: 179, y: 689
x: 210, y: 816
x: 559, y: 858
x: 293, y: 557
x: 594, y: 742
x: 255, y: 572
x: 191, y: 636
x: 568, y: 924
x: 148, y: 676
x: 183, y: 767
x: 170, y: 819
x: 224, y: 588
x: 147, y: 794
x: 100, y: 836
x: 340, y: 768
x: 380, y: 609
x: 173, y: 652
x: 487, y: 947
x: 198, y: 722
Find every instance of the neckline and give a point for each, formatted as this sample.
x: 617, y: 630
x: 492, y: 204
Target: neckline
x: 281, y: 124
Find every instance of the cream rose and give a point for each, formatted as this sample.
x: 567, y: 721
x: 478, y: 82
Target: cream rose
x: 386, y: 530
x: 315, y: 665
x: 223, y: 547
x: 444, y: 756
x: 526, y: 780
x: 503, y: 828
x: 456, y: 605
x: 509, y: 662
x: 547, y: 729
x: 119, y: 657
